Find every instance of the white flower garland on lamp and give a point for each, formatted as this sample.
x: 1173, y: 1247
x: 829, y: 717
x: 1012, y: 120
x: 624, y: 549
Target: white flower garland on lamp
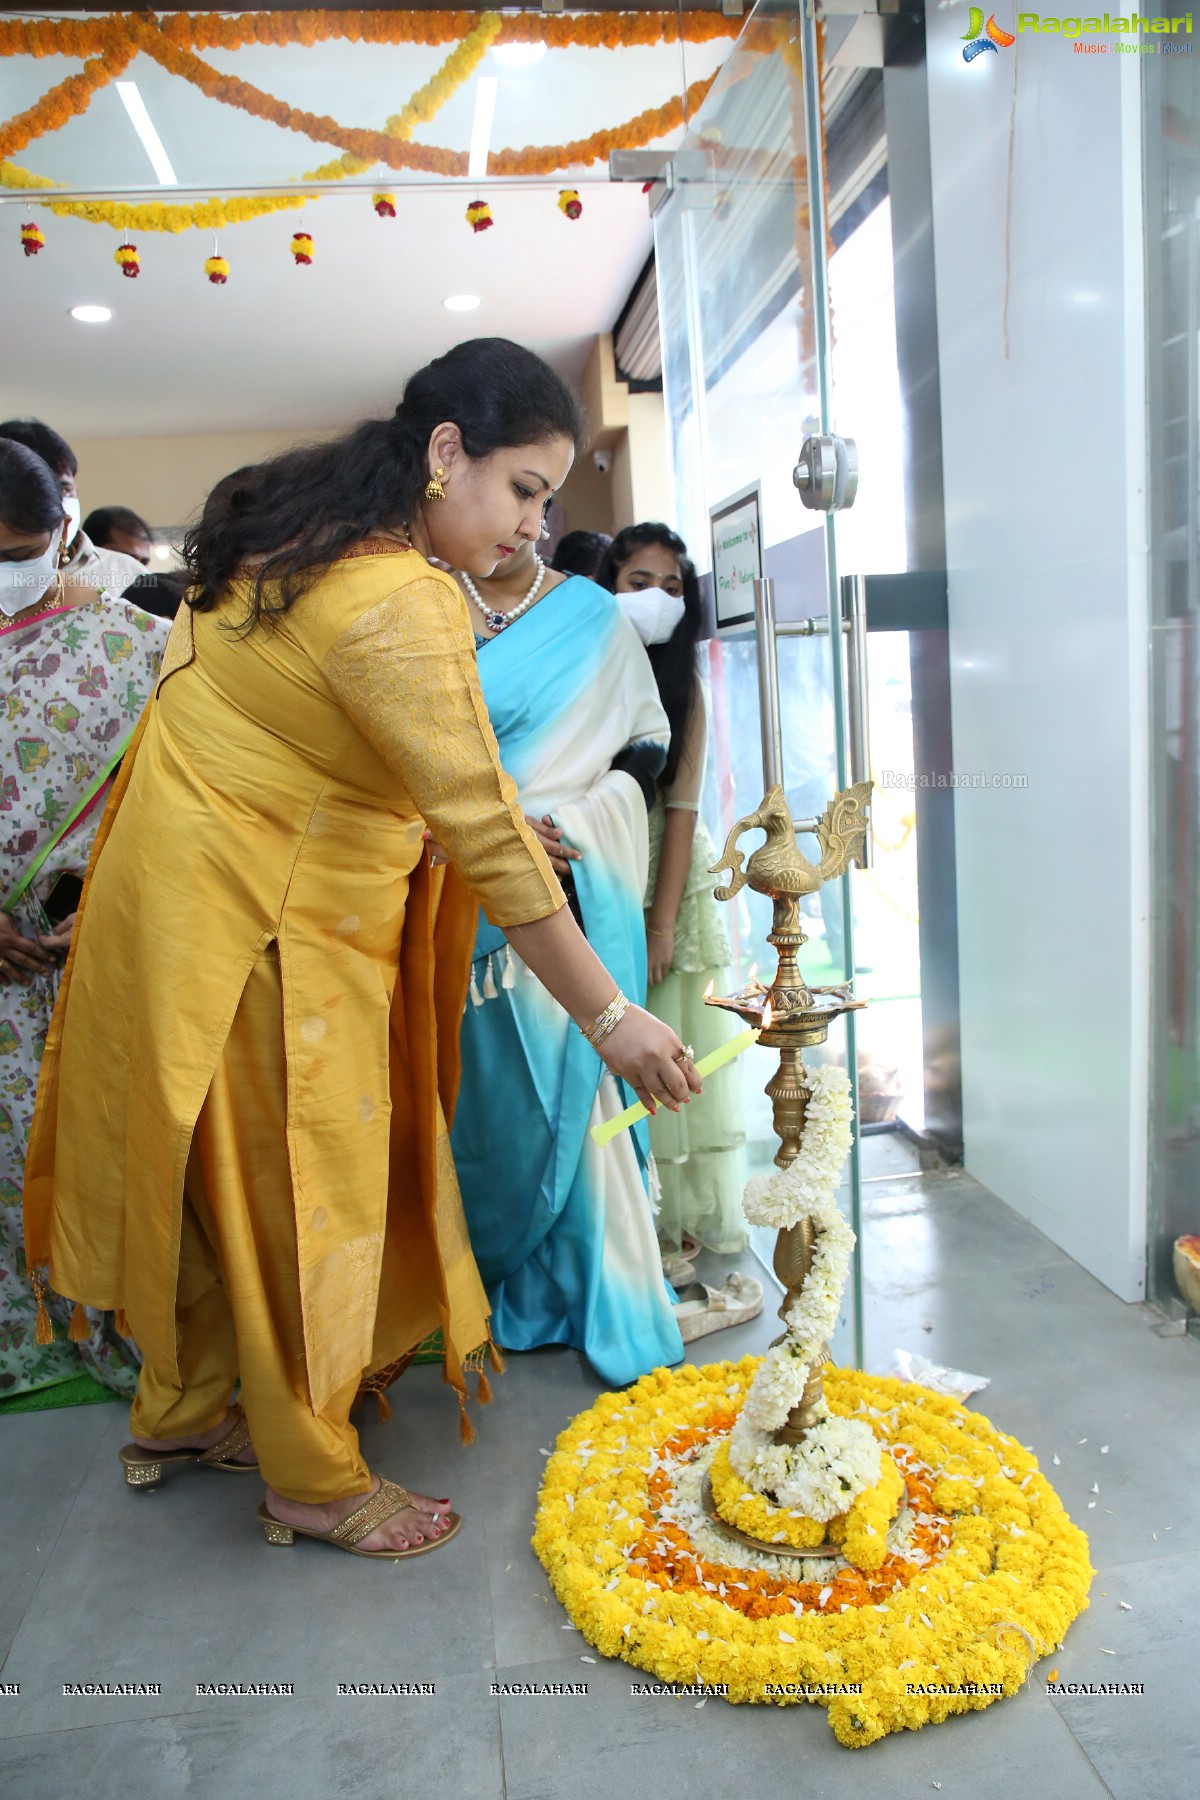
x: 839, y: 1458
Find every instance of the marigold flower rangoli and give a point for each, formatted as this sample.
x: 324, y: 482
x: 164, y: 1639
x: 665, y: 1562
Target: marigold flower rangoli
x: 982, y: 1574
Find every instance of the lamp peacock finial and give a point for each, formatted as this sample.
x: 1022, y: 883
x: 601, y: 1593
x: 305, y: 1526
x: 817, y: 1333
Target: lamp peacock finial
x: 779, y: 867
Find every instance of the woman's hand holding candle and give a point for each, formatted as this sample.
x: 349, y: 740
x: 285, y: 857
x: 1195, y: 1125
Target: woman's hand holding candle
x: 604, y: 1134
x: 645, y: 1054
x: 640, y: 1049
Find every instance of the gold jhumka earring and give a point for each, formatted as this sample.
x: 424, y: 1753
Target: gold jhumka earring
x: 433, y: 487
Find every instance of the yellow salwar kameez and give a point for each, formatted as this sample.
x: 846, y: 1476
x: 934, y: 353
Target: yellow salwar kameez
x: 240, y: 1136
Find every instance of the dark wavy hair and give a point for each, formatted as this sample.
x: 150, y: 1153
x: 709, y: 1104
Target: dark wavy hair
x: 579, y: 553
x: 674, y: 663
x: 103, y: 520
x: 45, y: 442
x: 299, y: 511
x: 30, y: 499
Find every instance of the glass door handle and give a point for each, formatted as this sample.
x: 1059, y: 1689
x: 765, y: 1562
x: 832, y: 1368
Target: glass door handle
x: 818, y: 627
x: 768, y: 629
x: 826, y: 475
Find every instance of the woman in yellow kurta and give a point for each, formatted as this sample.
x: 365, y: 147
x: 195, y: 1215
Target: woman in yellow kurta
x: 240, y: 1138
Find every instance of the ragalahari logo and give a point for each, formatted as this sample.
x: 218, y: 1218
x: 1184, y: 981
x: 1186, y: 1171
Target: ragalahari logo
x: 992, y: 37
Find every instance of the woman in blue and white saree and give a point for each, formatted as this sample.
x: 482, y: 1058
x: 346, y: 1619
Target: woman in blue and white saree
x: 563, y: 1232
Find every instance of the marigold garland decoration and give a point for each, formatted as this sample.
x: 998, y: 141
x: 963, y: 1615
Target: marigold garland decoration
x: 66, y: 101
x: 31, y: 239
x: 570, y: 203
x: 204, y: 215
x: 224, y: 31
x: 385, y: 205
x: 462, y: 62
x: 302, y: 247
x: 110, y: 43
x: 479, y: 215
x: 217, y: 270
x: 127, y: 255
x: 981, y: 1572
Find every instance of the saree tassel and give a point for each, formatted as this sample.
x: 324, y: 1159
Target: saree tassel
x: 509, y: 977
x: 80, y: 1329
x: 496, y: 1355
x: 489, y: 983
x: 476, y: 996
x: 383, y: 1406
x: 483, y: 1390
x: 465, y: 1428
x: 43, y: 1332
x: 121, y: 1324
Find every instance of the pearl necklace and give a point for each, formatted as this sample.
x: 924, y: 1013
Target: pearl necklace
x: 498, y: 621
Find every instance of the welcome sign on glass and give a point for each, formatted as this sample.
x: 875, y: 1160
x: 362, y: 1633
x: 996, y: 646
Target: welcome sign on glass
x: 736, y: 556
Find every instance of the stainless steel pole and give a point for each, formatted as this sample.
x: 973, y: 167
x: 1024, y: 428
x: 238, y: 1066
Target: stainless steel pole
x: 854, y: 607
x: 768, y: 684
x: 819, y: 301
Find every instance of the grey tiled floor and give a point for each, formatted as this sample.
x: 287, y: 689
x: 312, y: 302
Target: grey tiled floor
x: 178, y: 1587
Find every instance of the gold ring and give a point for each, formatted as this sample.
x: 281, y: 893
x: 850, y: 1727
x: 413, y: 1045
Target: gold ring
x: 687, y: 1054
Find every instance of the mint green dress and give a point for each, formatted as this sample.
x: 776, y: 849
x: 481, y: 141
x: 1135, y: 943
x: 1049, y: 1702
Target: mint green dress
x: 699, y: 1152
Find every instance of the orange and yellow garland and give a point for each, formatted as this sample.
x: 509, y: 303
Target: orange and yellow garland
x: 222, y: 31
x: 461, y: 63
x: 109, y: 44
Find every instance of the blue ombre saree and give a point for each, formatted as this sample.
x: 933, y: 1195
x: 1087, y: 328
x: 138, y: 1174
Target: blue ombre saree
x: 562, y: 1232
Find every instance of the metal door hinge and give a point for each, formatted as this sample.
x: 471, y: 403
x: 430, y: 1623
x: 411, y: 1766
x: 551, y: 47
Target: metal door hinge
x: 826, y: 475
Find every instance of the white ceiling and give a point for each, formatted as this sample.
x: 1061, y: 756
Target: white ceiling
x: 282, y: 347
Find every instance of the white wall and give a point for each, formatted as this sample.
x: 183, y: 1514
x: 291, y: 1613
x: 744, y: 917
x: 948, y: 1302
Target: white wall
x: 167, y: 479
x: 1044, y: 454
x: 641, y: 476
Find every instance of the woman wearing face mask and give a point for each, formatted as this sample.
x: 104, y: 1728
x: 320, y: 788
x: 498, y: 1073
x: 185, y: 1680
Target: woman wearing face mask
x: 699, y: 1158
x: 85, y: 564
x: 563, y: 1232
x: 76, y: 668
x: 261, y: 1156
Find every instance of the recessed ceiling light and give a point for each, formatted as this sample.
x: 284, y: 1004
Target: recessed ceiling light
x: 91, y: 315
x: 162, y: 552
x: 461, y: 302
x: 517, y: 55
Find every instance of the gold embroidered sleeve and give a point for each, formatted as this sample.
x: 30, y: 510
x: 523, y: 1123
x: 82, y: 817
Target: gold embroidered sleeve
x: 404, y: 672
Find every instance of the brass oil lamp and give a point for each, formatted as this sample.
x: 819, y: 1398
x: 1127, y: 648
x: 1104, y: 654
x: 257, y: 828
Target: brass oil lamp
x: 791, y: 1016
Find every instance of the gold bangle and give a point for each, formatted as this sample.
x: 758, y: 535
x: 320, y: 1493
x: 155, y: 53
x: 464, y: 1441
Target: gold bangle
x: 652, y: 931
x: 608, y: 1021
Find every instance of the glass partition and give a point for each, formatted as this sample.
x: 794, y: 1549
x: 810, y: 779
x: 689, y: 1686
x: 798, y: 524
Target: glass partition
x: 741, y: 339
x: 1171, y: 100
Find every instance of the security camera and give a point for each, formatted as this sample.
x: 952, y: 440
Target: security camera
x: 603, y: 461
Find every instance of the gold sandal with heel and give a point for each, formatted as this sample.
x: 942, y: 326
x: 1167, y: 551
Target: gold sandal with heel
x: 387, y: 1500
x: 145, y: 1468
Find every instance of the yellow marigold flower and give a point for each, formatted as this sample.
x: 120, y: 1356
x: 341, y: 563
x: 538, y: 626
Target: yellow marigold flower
x: 1010, y: 1571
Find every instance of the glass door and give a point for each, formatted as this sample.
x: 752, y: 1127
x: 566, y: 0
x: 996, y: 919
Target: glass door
x: 747, y: 379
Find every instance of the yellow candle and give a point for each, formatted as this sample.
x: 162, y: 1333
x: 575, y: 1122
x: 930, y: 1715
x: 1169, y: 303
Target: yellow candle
x: 716, y: 1059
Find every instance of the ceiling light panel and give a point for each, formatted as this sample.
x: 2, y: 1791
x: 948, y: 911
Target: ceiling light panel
x: 142, y: 123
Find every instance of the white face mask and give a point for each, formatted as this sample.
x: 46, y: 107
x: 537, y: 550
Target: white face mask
x: 74, y: 513
x: 21, y: 583
x: 653, y: 613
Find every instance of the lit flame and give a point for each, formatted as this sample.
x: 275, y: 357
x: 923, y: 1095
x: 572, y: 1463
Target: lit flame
x: 766, y: 1024
x: 753, y: 973
x: 708, y: 990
